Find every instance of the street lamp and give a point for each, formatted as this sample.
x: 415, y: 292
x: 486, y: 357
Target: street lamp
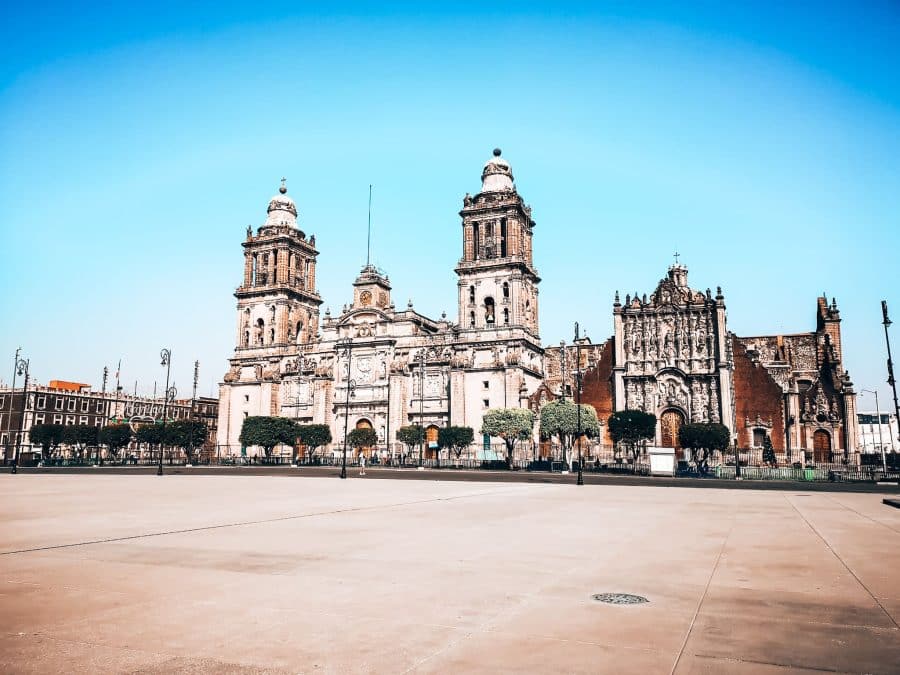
x: 165, y: 360
x: 421, y: 402
x: 580, y: 480
x: 21, y: 368
x: 878, y: 415
x: 346, y: 347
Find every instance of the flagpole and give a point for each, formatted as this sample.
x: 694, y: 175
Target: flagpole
x: 369, y: 230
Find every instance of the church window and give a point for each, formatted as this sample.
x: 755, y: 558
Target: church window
x: 472, y: 294
x: 486, y: 403
x: 299, y: 329
x: 759, y: 438
x: 253, y: 271
x: 260, y: 325
x: 471, y: 319
x: 476, y: 240
x: 503, y: 238
x: 486, y: 384
x: 506, y: 290
x: 489, y: 311
x: 506, y: 316
x: 246, y: 338
x: 271, y: 335
x: 803, y: 385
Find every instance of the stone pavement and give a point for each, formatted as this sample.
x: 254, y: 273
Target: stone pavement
x: 248, y: 574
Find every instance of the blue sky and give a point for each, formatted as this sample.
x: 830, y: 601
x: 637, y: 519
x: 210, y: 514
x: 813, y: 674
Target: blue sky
x: 137, y: 144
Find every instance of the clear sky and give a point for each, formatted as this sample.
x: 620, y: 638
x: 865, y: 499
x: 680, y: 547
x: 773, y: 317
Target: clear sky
x: 137, y: 143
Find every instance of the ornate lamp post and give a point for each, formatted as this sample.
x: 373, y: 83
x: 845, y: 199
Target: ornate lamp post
x: 346, y: 347
x: 103, y: 398
x: 165, y: 360
x: 580, y: 480
x: 21, y: 368
x: 880, y: 439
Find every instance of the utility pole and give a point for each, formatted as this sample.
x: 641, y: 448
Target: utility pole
x: 22, y: 366
x: 191, y: 416
x: 890, y: 364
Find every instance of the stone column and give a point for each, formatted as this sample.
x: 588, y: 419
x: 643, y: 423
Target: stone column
x: 851, y: 421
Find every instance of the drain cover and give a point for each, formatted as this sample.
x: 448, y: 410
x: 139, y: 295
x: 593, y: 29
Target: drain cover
x: 620, y: 598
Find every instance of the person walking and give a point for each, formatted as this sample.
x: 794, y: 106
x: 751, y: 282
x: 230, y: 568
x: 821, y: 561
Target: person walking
x: 362, y: 464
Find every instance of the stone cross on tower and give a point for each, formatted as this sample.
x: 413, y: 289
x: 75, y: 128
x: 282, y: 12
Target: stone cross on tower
x: 677, y: 254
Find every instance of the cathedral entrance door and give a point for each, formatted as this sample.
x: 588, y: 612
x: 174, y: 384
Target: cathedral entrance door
x: 669, y: 424
x: 364, y: 424
x: 431, y: 442
x: 821, y: 446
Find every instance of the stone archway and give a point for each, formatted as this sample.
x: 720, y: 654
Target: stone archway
x: 821, y: 446
x: 670, y: 422
x: 431, y: 437
x: 364, y: 424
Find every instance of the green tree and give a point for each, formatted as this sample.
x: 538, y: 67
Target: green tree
x: 186, y: 434
x: 362, y: 438
x: 80, y: 437
x: 560, y: 419
x: 115, y: 437
x: 702, y: 439
x: 769, y: 452
x: 456, y: 439
x: 48, y: 436
x: 313, y: 436
x: 510, y: 424
x: 151, y: 434
x: 411, y: 436
x: 267, y: 432
x: 630, y: 428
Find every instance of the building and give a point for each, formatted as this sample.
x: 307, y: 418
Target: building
x: 75, y: 403
x: 379, y: 366
x: 376, y: 365
x: 672, y: 355
x: 877, y: 432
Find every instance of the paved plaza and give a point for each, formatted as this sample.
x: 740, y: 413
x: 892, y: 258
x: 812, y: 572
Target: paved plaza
x: 248, y: 574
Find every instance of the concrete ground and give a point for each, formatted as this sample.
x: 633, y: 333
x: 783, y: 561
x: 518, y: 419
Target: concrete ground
x: 248, y: 574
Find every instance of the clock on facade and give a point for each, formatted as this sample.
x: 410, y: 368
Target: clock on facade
x: 365, y: 298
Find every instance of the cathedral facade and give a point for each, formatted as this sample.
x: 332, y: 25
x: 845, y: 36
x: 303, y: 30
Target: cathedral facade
x: 379, y: 366
x: 376, y: 365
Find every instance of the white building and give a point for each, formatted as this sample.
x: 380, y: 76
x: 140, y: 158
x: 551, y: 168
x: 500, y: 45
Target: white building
x: 875, y: 434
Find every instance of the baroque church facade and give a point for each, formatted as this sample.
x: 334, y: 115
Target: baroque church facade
x: 382, y: 367
x: 376, y: 365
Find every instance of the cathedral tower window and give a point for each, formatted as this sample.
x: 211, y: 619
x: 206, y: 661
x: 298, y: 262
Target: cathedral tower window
x: 271, y: 335
x: 254, y: 272
x: 260, y: 326
x: 476, y: 240
x: 505, y: 290
x: 472, y: 295
x: 246, y: 338
x: 503, y: 237
x: 489, y: 311
x: 506, y: 316
x: 471, y: 319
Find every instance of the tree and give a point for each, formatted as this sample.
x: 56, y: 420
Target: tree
x: 769, y: 452
x: 48, y: 436
x: 560, y: 418
x: 510, y: 424
x: 115, y: 437
x: 80, y: 437
x: 456, y: 439
x: 151, y: 434
x: 313, y: 436
x: 703, y: 438
x: 267, y: 432
x: 362, y: 438
x: 411, y: 436
x: 186, y: 434
x: 631, y: 427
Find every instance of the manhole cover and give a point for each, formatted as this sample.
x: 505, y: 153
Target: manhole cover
x: 620, y: 598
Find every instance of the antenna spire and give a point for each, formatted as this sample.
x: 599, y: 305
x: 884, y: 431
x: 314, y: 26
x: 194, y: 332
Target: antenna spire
x: 369, y: 230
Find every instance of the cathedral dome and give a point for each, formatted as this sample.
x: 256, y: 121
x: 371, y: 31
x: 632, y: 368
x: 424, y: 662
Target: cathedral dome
x: 497, y: 174
x: 282, y: 209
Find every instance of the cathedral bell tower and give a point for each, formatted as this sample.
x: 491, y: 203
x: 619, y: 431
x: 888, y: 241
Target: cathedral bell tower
x: 497, y: 280
x: 278, y: 304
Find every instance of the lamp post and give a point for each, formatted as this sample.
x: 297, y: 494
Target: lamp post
x: 890, y: 364
x: 346, y: 346
x: 165, y: 360
x: 421, y: 403
x: 562, y: 395
x: 7, y: 455
x: 103, y: 399
x: 580, y: 480
x: 191, y: 416
x: 21, y: 368
x: 878, y: 415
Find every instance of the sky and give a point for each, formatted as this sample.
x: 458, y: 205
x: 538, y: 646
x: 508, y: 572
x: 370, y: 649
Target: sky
x: 138, y: 142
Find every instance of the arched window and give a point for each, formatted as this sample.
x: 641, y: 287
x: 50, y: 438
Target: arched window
x: 506, y: 316
x: 759, y: 438
x: 246, y: 338
x: 489, y: 311
x: 271, y: 335
x: 471, y: 319
x: 472, y: 294
x: 506, y: 290
x: 299, y: 329
x: 503, y: 237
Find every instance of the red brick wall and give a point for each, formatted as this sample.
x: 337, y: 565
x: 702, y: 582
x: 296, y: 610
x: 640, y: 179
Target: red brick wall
x: 756, y: 393
x: 598, y: 387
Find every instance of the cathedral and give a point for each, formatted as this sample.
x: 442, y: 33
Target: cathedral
x: 382, y: 367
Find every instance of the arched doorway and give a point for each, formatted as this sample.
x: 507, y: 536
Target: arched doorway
x: 821, y: 446
x: 669, y: 424
x: 364, y: 424
x: 431, y: 437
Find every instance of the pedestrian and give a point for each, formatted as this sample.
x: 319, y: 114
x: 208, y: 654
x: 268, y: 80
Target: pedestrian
x: 362, y: 465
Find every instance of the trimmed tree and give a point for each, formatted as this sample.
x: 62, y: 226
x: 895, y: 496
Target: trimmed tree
x: 630, y: 428
x: 362, y: 438
x: 267, y: 432
x: 510, y: 424
x: 411, y: 436
x: 769, y: 452
x: 115, y: 437
x: 702, y: 439
x: 455, y: 439
x: 80, y: 437
x: 151, y: 434
x: 188, y: 435
x: 48, y: 436
x: 313, y: 436
x: 560, y: 418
